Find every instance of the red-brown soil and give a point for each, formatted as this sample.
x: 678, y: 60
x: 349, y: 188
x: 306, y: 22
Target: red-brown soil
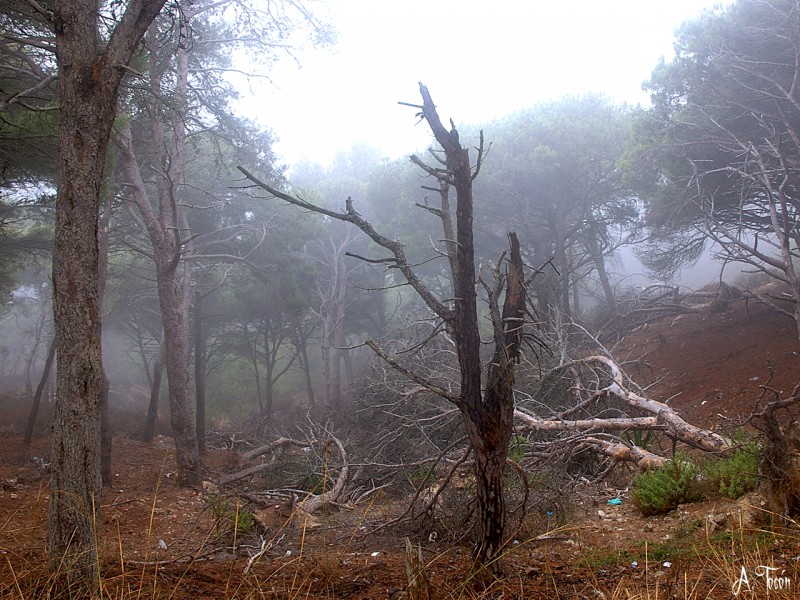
x: 714, y: 367
x: 157, y: 540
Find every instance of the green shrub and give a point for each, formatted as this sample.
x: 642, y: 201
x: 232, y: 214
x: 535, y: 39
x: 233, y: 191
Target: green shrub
x: 230, y: 517
x: 682, y: 480
x: 661, y: 490
x: 734, y: 476
x: 517, y: 447
x: 424, y: 474
x: 642, y: 439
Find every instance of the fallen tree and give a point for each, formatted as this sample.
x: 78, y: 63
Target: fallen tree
x: 603, y: 434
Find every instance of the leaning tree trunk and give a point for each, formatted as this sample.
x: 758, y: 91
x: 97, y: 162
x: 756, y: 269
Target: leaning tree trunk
x: 37, y: 397
x: 600, y: 265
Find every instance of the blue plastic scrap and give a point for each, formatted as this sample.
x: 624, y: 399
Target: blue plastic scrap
x: 615, y: 501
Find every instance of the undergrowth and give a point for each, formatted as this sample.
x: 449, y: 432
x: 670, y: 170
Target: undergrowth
x: 661, y: 490
x: 685, y: 479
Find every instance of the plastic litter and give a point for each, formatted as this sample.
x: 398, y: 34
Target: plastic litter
x: 615, y: 501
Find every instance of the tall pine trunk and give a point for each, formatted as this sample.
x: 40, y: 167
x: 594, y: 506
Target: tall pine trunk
x: 174, y: 317
x: 200, y: 373
x: 89, y: 74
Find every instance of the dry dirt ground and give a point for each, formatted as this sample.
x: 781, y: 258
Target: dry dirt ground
x: 156, y: 540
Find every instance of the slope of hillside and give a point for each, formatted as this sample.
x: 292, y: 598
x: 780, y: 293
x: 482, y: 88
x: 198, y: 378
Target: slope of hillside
x: 716, y: 367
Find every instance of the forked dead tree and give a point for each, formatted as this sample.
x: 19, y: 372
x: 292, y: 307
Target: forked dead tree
x: 486, y: 405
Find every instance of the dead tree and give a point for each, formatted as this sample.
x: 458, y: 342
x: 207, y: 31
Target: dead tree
x: 486, y: 408
x: 594, y: 432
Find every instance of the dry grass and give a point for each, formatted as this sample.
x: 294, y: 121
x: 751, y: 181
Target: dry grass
x: 710, y: 568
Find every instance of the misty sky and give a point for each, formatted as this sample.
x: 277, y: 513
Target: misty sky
x: 480, y: 60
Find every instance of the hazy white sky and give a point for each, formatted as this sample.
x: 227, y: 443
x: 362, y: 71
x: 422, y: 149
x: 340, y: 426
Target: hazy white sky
x: 480, y: 59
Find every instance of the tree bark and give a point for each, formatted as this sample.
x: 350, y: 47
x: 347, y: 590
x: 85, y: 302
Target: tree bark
x: 38, y: 332
x: 106, y: 433
x: 88, y: 82
x: 269, y: 375
x: 602, y: 274
x: 166, y: 229
x: 174, y: 317
x: 488, y: 415
x: 332, y: 311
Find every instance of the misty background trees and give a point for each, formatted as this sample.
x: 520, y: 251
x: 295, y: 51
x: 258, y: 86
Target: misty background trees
x: 255, y: 312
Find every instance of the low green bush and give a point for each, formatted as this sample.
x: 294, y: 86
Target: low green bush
x: 736, y: 475
x: 661, y: 490
x: 683, y: 480
x: 230, y: 517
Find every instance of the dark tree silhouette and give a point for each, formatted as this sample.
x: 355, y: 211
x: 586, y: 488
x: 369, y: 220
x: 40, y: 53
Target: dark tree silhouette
x: 487, y: 410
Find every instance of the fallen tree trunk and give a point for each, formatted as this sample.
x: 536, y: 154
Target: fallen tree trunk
x: 278, y: 444
x: 632, y: 423
x: 312, y: 503
x: 663, y: 418
x: 620, y: 452
x: 677, y: 428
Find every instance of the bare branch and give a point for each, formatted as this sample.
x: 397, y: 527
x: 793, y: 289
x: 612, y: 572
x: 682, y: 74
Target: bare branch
x: 416, y: 378
x: 351, y: 216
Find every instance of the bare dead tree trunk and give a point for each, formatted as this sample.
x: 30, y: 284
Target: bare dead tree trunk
x: 487, y: 415
x: 332, y: 313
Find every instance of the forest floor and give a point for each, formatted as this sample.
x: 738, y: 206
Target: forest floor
x: 157, y: 540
